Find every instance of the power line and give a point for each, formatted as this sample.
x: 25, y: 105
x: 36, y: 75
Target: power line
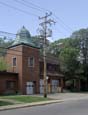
x: 12, y: 36
x: 37, y: 7
x: 28, y: 5
x: 65, y: 25
x: 47, y: 57
x: 3, y: 32
x: 18, y: 9
x: 43, y: 9
x: 59, y: 31
x: 7, y: 35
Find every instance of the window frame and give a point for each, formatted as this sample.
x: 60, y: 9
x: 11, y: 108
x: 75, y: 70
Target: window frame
x: 10, y: 84
x: 15, y: 62
x: 29, y: 63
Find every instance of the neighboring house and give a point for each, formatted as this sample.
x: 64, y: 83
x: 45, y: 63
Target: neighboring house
x: 25, y: 61
x: 8, y: 83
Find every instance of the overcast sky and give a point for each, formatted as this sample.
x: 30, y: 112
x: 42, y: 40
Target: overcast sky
x: 70, y: 15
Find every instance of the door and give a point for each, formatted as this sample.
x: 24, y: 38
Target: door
x: 55, y: 84
x: 29, y: 88
x: 41, y: 86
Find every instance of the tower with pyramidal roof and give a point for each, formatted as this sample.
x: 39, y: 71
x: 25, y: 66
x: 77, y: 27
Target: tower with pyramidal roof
x: 23, y: 58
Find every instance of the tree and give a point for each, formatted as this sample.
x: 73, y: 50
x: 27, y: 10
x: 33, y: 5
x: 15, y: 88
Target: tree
x: 67, y: 51
x: 56, y: 47
x: 39, y: 41
x: 3, y: 65
x: 82, y: 34
x: 4, y: 43
x: 73, y: 54
x: 68, y: 61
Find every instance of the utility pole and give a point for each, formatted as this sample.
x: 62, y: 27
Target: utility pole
x: 44, y: 33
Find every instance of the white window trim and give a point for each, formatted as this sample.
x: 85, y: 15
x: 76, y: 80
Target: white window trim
x: 29, y: 61
x: 12, y: 61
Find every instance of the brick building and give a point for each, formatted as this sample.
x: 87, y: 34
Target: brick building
x: 24, y: 58
x: 8, y: 83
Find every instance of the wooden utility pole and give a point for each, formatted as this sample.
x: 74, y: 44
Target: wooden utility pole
x: 44, y: 33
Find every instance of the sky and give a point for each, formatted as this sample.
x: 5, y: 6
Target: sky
x: 69, y: 15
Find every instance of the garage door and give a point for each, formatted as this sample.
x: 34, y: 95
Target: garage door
x: 55, y: 84
x: 41, y: 86
x: 29, y: 88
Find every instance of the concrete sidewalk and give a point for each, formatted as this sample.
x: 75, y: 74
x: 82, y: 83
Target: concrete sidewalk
x: 57, y: 98
x: 16, y: 106
x: 67, y: 96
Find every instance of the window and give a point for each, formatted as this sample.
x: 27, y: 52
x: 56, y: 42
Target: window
x: 14, y: 61
x: 31, y: 62
x: 10, y: 84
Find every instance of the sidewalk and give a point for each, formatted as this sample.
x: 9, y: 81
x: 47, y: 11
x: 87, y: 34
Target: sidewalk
x: 10, y: 100
x: 68, y: 96
x: 16, y: 106
x: 57, y: 98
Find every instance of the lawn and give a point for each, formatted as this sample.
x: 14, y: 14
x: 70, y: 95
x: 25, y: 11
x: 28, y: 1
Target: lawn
x: 3, y: 103
x: 25, y: 99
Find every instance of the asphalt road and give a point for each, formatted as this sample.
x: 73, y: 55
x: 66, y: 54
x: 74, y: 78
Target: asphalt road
x: 78, y: 107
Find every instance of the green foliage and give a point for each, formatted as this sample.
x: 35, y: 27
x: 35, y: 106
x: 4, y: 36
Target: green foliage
x: 68, y: 50
x: 3, y: 45
x: 80, y: 34
x: 68, y: 59
x: 25, y: 99
x: 39, y: 41
x: 56, y: 47
x: 3, y: 64
x: 4, y: 103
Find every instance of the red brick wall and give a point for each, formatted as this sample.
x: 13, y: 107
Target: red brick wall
x: 8, y: 77
x: 15, y: 52
x: 25, y: 73
x: 31, y: 73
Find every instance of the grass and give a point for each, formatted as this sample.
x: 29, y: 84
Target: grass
x: 25, y: 99
x: 3, y: 103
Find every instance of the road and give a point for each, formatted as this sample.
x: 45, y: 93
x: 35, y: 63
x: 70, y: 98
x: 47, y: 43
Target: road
x: 77, y: 107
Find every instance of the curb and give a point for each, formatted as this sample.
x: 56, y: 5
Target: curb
x: 74, y: 99
x: 9, y: 107
x: 17, y: 106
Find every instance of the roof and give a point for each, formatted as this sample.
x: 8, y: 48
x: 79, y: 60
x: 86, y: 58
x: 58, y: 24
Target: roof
x: 54, y: 74
x: 23, y: 37
x: 50, y: 59
x: 10, y: 73
x: 25, y: 44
